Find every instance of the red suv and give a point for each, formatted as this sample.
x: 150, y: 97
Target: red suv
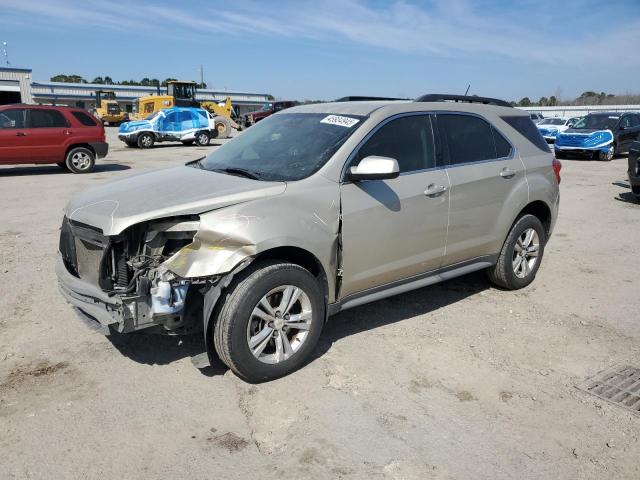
x: 69, y: 137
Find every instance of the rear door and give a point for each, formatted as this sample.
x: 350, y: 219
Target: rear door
x: 14, y: 143
x: 629, y: 131
x: 484, y: 171
x: 395, y: 229
x: 48, y: 132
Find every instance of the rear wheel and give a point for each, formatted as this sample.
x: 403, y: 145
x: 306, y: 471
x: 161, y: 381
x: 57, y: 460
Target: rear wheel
x: 521, y: 254
x: 80, y: 160
x: 202, y: 139
x: 270, y: 321
x: 146, y: 140
x: 223, y: 127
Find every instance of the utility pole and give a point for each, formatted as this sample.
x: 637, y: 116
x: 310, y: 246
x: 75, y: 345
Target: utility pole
x: 6, y: 54
x: 201, y: 75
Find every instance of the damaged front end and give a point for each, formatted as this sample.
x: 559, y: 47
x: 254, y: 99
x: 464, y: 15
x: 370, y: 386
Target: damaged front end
x: 122, y: 281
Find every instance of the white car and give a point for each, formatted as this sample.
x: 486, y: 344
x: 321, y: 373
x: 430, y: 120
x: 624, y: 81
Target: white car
x: 549, y: 127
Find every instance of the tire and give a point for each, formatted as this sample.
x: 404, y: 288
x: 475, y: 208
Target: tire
x: 202, y: 139
x: 187, y: 142
x: 509, y: 272
x: 608, y: 155
x: 146, y: 140
x: 223, y: 127
x: 237, y: 323
x: 80, y: 160
x: 63, y: 166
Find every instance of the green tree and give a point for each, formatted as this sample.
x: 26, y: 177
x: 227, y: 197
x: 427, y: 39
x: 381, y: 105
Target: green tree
x: 167, y: 80
x: 108, y: 81
x: 525, y: 102
x: 543, y: 102
x: 145, y: 82
x: 98, y: 80
x: 553, y: 101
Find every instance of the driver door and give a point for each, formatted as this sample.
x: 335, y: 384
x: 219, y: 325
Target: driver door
x: 395, y: 229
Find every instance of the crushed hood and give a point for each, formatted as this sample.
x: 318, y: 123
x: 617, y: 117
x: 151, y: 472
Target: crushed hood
x: 114, y: 206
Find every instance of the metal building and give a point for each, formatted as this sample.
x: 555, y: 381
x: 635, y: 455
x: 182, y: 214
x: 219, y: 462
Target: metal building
x: 17, y: 86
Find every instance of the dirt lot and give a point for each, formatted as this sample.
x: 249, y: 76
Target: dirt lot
x: 458, y: 380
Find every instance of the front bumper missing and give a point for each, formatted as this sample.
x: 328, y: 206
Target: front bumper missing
x: 121, y: 314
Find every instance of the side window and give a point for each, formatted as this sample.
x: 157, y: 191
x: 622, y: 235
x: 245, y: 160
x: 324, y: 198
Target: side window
x: 12, y: 118
x: 503, y: 148
x: 470, y: 139
x: 635, y: 120
x: 84, y: 119
x: 46, y: 119
x: 527, y: 129
x: 407, y: 139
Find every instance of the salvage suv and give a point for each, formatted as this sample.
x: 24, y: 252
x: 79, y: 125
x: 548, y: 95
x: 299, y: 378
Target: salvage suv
x: 70, y: 137
x: 315, y: 210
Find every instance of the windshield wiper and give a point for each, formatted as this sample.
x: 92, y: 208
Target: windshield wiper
x: 240, y: 172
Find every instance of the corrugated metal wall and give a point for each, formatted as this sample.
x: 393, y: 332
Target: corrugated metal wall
x: 23, y: 77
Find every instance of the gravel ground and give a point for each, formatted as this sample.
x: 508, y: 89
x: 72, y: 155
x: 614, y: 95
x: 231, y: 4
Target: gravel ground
x: 458, y: 380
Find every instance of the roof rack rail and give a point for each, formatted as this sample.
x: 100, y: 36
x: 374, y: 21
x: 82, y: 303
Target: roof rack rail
x: 357, y: 98
x: 438, y: 97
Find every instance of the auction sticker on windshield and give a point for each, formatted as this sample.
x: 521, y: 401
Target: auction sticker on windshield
x: 340, y: 120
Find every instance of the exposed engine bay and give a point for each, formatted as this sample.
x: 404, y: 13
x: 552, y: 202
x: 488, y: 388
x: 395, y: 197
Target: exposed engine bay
x: 129, y: 268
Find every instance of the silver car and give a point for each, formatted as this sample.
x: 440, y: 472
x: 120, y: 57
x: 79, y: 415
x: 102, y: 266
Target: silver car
x: 314, y: 210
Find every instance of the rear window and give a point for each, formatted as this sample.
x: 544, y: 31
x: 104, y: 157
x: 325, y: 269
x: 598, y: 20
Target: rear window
x: 527, y: 129
x: 84, y: 119
x: 46, y: 119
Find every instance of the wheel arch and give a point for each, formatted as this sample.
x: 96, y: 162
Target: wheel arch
x: 77, y: 145
x: 542, y: 211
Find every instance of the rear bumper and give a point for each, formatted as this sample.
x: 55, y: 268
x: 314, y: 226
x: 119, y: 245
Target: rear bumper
x: 101, y: 149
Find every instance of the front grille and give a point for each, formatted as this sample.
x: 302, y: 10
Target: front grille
x: 83, y: 249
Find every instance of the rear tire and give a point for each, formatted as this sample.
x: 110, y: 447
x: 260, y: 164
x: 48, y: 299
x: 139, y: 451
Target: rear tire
x: 249, y: 339
x: 80, y: 160
x: 223, y: 127
x: 202, y: 139
x: 146, y: 140
x: 521, y: 254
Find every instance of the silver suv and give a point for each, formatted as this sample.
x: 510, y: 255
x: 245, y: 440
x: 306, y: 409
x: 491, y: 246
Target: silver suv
x: 312, y: 211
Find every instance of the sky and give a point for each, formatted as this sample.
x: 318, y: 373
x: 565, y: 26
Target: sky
x: 324, y: 49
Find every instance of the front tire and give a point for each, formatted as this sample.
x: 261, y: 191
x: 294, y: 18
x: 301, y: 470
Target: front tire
x: 223, y: 127
x: 270, y: 321
x: 146, y: 140
x: 521, y: 254
x: 80, y: 160
x: 608, y: 155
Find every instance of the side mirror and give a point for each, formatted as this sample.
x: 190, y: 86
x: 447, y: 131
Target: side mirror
x: 375, y: 168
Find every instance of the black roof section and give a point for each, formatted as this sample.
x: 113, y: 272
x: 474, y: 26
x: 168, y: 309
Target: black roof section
x: 440, y: 97
x: 358, y: 98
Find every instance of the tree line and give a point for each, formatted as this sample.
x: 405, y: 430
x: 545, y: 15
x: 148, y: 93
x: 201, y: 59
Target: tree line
x: 145, y: 82
x: 586, y: 98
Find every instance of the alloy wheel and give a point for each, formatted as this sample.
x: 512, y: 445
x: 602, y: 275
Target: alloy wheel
x: 525, y: 253
x: 279, y: 324
x: 81, y: 160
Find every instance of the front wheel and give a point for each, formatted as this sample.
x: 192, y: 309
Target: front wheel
x: 146, y: 140
x: 80, y: 160
x: 608, y: 155
x: 521, y: 254
x: 270, y: 321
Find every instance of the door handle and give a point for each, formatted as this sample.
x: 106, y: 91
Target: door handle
x: 67, y: 132
x: 507, y: 173
x: 21, y: 134
x: 434, y: 190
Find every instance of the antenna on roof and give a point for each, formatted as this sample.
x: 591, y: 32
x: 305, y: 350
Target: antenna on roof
x: 467, y: 91
x: 6, y: 54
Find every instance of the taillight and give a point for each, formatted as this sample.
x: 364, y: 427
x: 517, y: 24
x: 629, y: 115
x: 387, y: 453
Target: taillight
x: 557, y: 166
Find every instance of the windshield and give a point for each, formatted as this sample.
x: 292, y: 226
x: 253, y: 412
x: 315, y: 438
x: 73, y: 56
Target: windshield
x: 553, y: 121
x: 597, y: 122
x: 152, y: 116
x: 283, y: 147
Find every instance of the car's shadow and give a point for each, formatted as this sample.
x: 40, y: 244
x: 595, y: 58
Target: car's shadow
x: 56, y: 170
x: 628, y: 197
x: 152, y: 349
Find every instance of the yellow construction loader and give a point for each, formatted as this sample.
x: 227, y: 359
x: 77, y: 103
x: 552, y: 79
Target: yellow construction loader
x: 183, y: 94
x: 107, y: 108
